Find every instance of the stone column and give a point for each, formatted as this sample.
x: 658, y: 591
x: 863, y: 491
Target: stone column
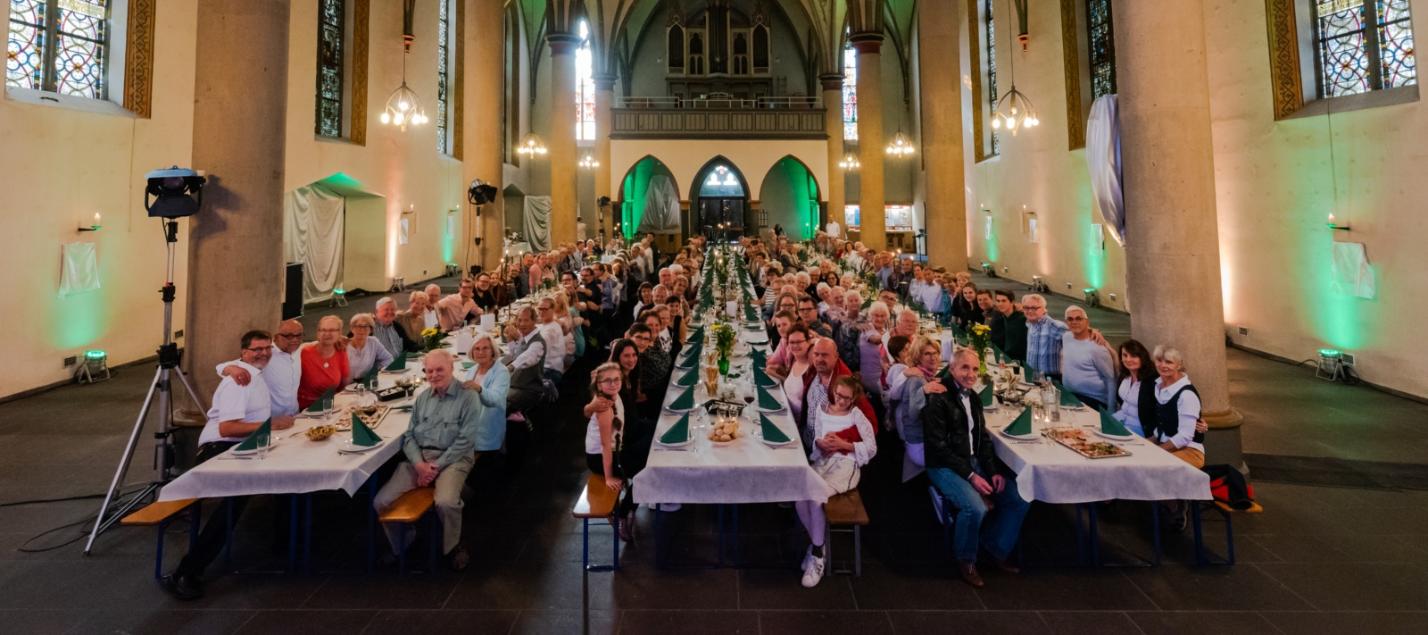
x: 564, y: 209
x: 833, y: 121
x: 870, y: 139
x: 604, y: 120
x: 1173, y: 248
x: 485, y: 65
x: 235, y: 254
x: 945, y: 202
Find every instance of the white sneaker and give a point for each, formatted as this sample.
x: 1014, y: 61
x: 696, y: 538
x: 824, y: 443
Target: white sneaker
x: 814, y: 573
x: 807, y: 558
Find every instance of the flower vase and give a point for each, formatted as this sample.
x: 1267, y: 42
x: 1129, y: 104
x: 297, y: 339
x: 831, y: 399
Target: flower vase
x: 723, y: 365
x: 981, y: 364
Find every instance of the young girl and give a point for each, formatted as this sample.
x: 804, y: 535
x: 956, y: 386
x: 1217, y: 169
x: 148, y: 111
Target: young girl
x: 605, y: 449
x: 844, y: 441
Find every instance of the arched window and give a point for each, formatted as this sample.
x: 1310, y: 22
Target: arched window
x: 1362, y: 46
x: 584, y: 87
x: 990, y: 25
x: 850, y: 93
x: 1101, y: 40
x: 444, y: 64
x: 60, y: 47
x: 721, y: 182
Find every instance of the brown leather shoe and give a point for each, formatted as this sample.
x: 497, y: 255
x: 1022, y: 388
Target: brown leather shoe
x: 1007, y: 567
x: 970, y: 575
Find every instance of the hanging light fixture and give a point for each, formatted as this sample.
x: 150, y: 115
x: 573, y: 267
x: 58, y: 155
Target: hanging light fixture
x: 588, y: 162
x: 901, y: 147
x: 850, y: 162
x: 404, y: 107
x: 1014, y: 111
x: 531, y: 146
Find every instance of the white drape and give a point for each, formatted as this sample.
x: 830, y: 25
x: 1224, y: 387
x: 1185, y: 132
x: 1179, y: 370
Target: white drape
x: 536, y: 222
x: 79, y: 269
x: 313, y: 228
x: 661, y: 207
x: 1352, y: 274
x: 1103, y: 158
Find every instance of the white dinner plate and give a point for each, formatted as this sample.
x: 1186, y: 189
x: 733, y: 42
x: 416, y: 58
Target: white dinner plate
x: 1113, y: 437
x: 1024, y: 437
x: 352, y: 448
x: 236, y: 452
x: 673, y: 445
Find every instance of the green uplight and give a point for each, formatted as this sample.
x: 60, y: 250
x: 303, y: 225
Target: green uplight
x: 95, y: 355
x: 1330, y: 353
x: 339, y: 291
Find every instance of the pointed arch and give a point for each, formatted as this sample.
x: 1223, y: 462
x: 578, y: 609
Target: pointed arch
x: 790, y: 196
x: 709, y: 166
x: 634, y: 196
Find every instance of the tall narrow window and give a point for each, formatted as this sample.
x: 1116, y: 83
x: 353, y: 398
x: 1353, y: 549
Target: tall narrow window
x: 1362, y: 46
x: 331, y: 36
x: 59, y: 46
x: 584, y: 87
x: 1101, y: 41
x: 444, y: 64
x: 850, y: 93
x: 992, y: 94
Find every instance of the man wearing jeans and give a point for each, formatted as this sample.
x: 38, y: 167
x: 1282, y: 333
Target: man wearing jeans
x: 963, y: 467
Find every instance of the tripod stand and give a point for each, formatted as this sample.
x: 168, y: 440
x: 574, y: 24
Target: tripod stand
x: 169, y: 356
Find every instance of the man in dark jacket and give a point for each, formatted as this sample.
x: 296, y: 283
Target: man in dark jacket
x: 1008, y: 326
x: 963, y: 466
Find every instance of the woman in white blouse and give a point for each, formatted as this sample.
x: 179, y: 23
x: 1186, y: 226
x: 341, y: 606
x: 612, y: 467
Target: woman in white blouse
x: 364, y: 352
x: 843, y: 442
x: 1136, y: 390
x: 1177, y: 408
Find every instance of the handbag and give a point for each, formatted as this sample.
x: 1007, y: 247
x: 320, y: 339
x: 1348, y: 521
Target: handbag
x: 838, y: 470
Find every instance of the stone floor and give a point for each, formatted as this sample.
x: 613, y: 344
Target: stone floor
x: 1322, y: 558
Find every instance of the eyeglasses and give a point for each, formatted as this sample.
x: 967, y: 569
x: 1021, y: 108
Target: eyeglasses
x: 609, y: 380
x: 289, y: 335
x: 1076, y: 318
x: 842, y: 396
x: 792, y: 341
x: 259, y: 350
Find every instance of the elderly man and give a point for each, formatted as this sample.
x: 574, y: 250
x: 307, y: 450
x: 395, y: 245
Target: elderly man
x: 962, y: 466
x: 389, y: 331
x: 525, y: 358
x: 439, y: 450
x: 1043, y: 337
x: 554, y: 335
x: 239, y: 409
x: 433, y: 295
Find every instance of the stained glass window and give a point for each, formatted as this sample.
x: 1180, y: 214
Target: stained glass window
x: 1102, y: 44
x: 331, y: 33
x: 59, y: 46
x: 850, y: 93
x: 443, y: 85
x: 584, y: 87
x: 992, y: 93
x: 1363, y: 45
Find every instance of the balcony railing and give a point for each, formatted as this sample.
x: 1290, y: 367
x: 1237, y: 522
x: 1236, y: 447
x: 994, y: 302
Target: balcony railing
x: 721, y: 101
x: 718, y: 117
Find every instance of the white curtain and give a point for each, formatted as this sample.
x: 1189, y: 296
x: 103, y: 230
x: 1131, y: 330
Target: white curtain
x: 1103, y: 158
x: 1352, y: 274
x: 661, y: 207
x: 536, y: 222
x: 79, y: 270
x: 313, y: 235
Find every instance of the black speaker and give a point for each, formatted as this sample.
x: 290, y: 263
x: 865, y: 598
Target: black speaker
x: 292, y: 291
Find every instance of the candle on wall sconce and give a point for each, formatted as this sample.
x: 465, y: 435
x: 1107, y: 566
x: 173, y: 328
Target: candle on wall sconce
x: 93, y: 227
x: 1334, y: 223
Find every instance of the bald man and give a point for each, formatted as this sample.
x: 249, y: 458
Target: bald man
x: 282, y: 374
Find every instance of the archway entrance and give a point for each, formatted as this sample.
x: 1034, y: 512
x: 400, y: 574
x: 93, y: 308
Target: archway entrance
x: 789, y: 199
x: 720, y: 196
x: 649, y: 200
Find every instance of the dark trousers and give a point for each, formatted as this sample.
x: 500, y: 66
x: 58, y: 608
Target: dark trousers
x: 215, y: 532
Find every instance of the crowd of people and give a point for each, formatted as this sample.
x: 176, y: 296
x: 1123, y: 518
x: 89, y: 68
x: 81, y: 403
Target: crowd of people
x: 845, y: 330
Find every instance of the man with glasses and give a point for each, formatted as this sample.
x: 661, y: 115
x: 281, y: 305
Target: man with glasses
x: 808, y: 314
x: 282, y: 374
x: 389, y: 331
x: 439, y: 447
x: 1043, y: 337
x: 239, y: 409
x: 525, y: 358
x: 554, y: 336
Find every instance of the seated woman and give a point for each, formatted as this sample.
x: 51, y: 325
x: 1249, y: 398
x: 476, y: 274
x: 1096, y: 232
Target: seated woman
x: 365, y: 355
x: 606, y: 451
x: 783, y: 322
x: 324, y: 367
x: 872, y: 348
x: 796, y: 375
x: 491, y: 381
x: 1086, y: 366
x: 418, y: 316
x: 1177, y: 407
x: 844, y: 441
x: 893, y: 381
x: 921, y: 357
x: 1136, y: 388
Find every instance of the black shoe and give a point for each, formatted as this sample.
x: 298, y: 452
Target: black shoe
x: 459, y: 557
x: 182, y: 586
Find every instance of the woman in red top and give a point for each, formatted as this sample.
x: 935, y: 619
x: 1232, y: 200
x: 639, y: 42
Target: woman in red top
x: 324, y: 367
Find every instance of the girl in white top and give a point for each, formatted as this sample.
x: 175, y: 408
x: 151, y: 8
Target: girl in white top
x: 604, y: 435
x: 839, y: 429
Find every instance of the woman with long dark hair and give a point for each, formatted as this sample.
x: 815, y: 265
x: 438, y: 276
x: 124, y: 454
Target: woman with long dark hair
x: 1136, y: 381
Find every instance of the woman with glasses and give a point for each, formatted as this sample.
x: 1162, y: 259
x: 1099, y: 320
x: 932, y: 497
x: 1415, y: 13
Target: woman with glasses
x: 1086, y: 365
x: 491, y: 382
x: 796, y: 370
x: 365, y: 355
x: 324, y: 367
x: 922, y: 357
x: 606, y: 452
x: 843, y: 442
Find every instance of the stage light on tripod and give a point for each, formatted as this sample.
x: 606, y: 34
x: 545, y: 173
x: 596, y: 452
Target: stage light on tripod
x: 176, y: 192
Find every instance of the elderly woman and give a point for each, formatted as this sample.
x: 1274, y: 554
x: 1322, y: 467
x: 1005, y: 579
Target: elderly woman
x: 324, y: 367
x: 872, y: 347
x: 1177, y: 408
x: 922, y: 358
x: 491, y: 382
x: 1086, y: 365
x: 418, y: 316
x: 365, y: 355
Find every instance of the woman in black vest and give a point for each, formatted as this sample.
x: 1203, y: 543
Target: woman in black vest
x: 1177, y: 409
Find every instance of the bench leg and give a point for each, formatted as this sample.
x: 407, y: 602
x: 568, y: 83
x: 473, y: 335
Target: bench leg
x: 292, y: 532
x: 585, y: 543
x: 1155, y: 529
x: 857, y: 551
x: 435, y: 548
x: 307, y: 533
x: 228, y: 536
x: 401, y: 549
x: 615, y: 538
x: 159, y: 552
x: 371, y: 525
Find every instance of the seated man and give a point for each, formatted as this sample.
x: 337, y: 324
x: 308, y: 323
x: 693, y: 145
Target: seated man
x: 525, y: 358
x: 238, y: 410
x: 439, y: 447
x: 963, y: 466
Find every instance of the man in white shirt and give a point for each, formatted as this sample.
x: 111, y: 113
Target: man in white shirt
x: 525, y: 357
x: 554, y: 336
x: 238, y: 410
x: 281, y: 375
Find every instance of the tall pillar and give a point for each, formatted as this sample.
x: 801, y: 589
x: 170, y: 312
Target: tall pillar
x: 871, y: 153
x: 235, y: 255
x: 485, y: 66
x: 563, y: 203
x: 604, y: 120
x: 833, y: 121
x: 944, y: 178
x: 1173, y: 249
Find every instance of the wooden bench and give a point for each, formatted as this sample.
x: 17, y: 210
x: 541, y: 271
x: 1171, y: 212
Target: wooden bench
x: 597, y: 502
x: 160, y: 514
x: 408, y: 510
x: 1202, y: 555
x: 846, y: 514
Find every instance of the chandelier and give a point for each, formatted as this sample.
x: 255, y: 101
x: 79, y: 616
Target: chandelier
x: 531, y: 146
x: 901, y: 146
x: 1014, y: 111
x: 404, y: 107
x: 588, y: 162
x: 850, y: 162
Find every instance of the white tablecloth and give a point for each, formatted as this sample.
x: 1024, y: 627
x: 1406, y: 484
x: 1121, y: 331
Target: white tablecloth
x: 1049, y: 472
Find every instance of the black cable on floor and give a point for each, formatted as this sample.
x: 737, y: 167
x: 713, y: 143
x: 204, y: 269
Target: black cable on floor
x: 88, y: 520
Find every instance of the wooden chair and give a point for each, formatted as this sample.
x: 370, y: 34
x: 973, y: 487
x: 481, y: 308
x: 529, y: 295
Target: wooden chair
x: 407, y: 511
x: 846, y: 514
x: 597, y: 502
x: 161, y: 514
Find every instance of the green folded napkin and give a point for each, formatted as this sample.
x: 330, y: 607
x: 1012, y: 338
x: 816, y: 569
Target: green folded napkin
x: 688, y: 379
x: 363, y: 435
x: 467, y: 364
x: 677, y: 433
x: 767, y: 401
x: 684, y: 401
x: 1021, y: 426
x: 370, y: 379
x: 259, y: 437
x: 1112, y: 426
x: 772, y: 433
x: 321, y: 403
x: 987, y: 395
x: 399, y: 362
x: 1068, y: 398
x: 762, y: 378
